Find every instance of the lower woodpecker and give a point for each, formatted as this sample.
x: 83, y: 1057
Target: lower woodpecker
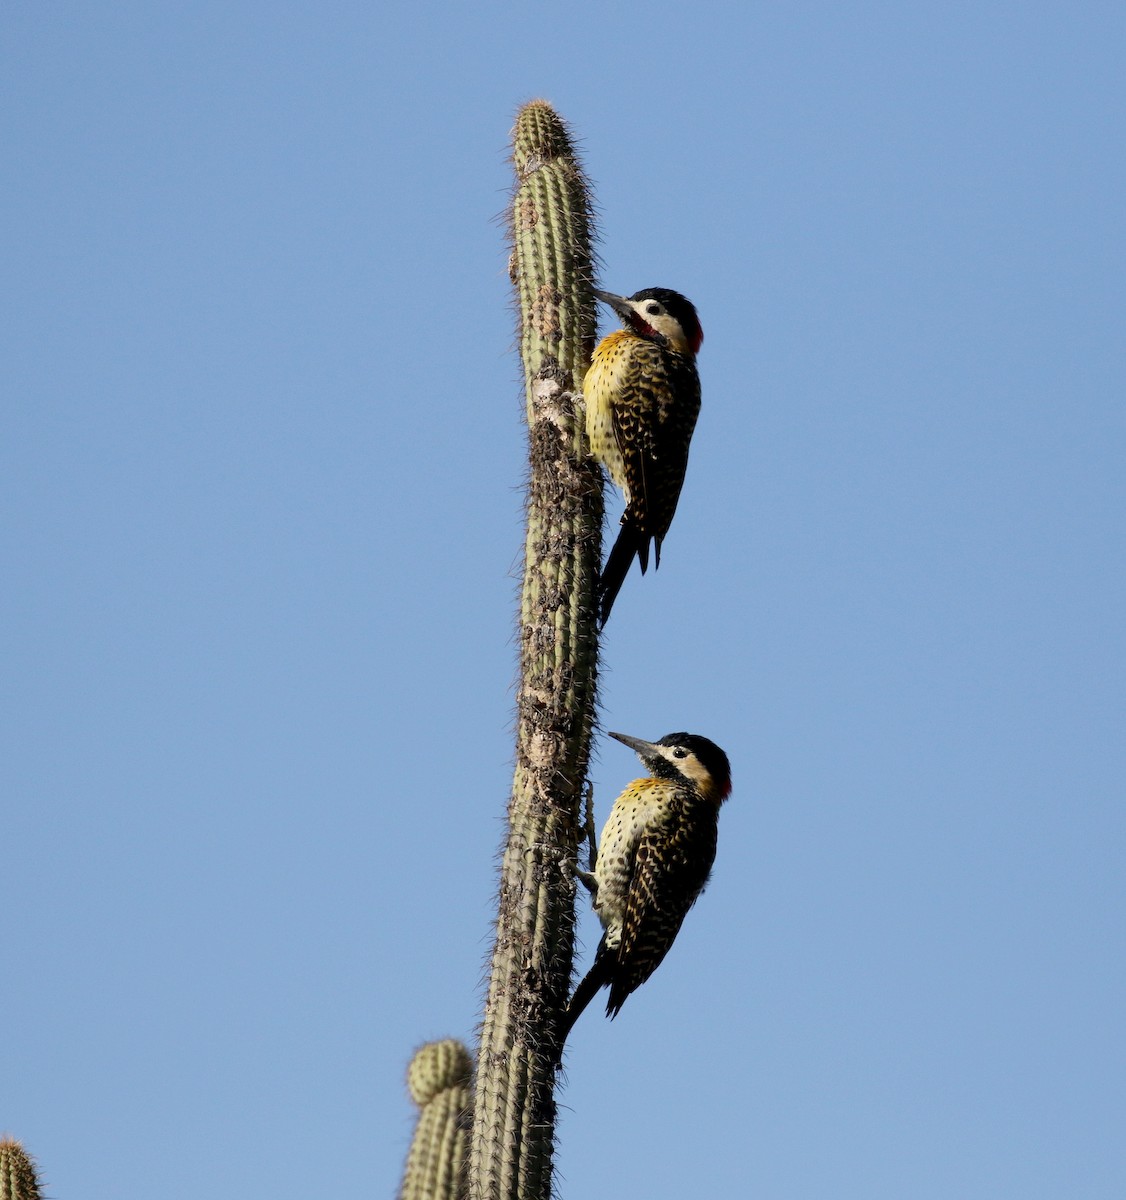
x: 654, y: 858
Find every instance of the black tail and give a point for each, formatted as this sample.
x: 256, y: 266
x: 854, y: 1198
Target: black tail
x: 590, y: 985
x: 631, y: 544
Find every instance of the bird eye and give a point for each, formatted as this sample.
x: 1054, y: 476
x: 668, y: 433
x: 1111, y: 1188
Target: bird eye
x: 654, y: 310
x: 680, y: 753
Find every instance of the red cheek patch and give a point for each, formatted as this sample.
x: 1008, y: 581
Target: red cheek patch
x: 646, y: 331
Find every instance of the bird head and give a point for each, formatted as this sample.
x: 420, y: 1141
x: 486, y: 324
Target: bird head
x: 661, y: 315
x: 688, y: 757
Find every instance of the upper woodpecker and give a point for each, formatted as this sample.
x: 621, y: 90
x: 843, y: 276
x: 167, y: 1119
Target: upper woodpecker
x: 655, y: 856
x: 642, y: 396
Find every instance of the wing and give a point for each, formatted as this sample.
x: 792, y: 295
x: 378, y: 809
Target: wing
x: 671, y: 868
x: 653, y: 423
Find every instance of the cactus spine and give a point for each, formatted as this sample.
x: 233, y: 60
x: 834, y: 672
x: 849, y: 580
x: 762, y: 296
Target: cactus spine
x: 17, y: 1172
x: 551, y: 267
x: 438, y: 1079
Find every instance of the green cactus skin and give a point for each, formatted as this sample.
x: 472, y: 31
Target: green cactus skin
x: 18, y: 1179
x: 551, y: 266
x: 552, y: 256
x: 437, y: 1066
x: 439, y: 1081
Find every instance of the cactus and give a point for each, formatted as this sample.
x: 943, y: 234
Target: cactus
x: 551, y: 267
x: 552, y: 259
x: 438, y: 1079
x: 18, y: 1179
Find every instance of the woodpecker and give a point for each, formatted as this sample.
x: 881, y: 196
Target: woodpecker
x: 642, y: 395
x: 654, y: 857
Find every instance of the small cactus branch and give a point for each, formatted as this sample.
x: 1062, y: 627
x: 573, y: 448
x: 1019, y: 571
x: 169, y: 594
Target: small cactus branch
x: 439, y: 1078
x: 552, y: 266
x: 18, y: 1180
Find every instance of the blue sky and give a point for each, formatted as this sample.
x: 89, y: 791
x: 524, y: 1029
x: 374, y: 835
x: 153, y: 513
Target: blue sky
x: 261, y: 474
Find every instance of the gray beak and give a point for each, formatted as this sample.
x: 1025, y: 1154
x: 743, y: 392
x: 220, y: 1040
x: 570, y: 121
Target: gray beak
x: 618, y: 303
x: 644, y: 750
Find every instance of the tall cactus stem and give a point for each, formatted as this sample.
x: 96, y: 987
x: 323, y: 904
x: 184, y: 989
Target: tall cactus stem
x: 552, y: 268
